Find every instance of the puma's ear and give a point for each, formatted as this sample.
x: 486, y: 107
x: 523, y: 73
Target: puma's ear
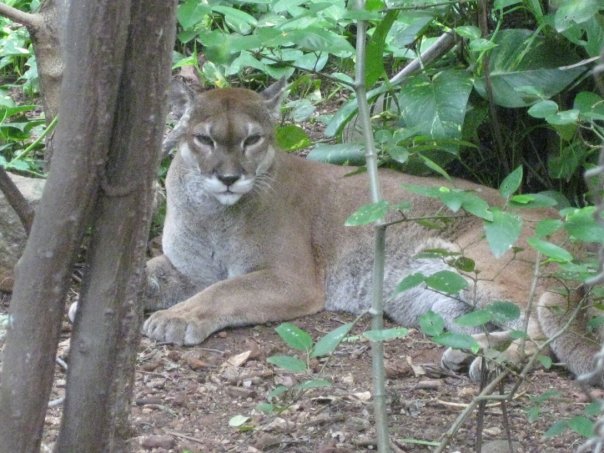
x: 181, y: 97
x: 273, y: 95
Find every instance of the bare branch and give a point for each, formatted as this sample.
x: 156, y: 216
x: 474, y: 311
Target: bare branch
x: 16, y: 200
x: 31, y: 21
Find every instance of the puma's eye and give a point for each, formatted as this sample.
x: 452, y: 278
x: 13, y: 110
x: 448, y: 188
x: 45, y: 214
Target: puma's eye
x: 204, y: 139
x: 252, y: 140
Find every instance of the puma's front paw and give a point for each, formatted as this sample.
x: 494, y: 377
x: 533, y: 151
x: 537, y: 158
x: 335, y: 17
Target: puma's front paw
x: 172, y: 327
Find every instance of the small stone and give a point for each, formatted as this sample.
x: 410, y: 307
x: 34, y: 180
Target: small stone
x: 158, y: 441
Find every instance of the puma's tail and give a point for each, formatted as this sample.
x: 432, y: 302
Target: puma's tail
x: 575, y: 346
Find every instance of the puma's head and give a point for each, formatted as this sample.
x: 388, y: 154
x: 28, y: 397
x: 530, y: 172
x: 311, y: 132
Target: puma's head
x: 227, y: 135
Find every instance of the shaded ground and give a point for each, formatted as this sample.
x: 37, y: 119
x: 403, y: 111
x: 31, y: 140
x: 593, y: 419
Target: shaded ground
x: 185, y: 397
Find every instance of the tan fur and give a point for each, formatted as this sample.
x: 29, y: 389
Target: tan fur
x: 254, y: 235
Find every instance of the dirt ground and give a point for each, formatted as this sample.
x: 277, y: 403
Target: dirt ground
x: 186, y: 396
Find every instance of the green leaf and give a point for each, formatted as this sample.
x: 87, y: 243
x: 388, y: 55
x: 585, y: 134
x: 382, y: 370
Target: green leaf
x: 374, y: 60
x: 573, y: 12
x: 524, y: 59
x: 329, y: 342
x: 511, y: 183
x: 556, y: 429
x: 436, y: 107
x: 368, y: 213
x: 593, y: 409
x: 532, y: 413
x: 468, y: 31
x: 288, y: 363
x: 463, y: 264
x: 457, y: 341
x: 238, y: 420
x: 503, y: 312
x: 294, y: 337
x: 582, y: 225
x: 581, y: 425
x: 552, y: 251
x: 590, y: 106
x: 447, y: 282
x: 545, y: 361
x: 543, y: 109
x: 313, y: 384
x: 292, y: 138
x: 191, y: 12
x: 410, y: 281
x: 431, y: 324
x: 475, y: 205
x: 277, y: 392
x: 547, y: 227
x: 266, y: 408
x: 502, y: 232
x: 533, y: 200
x: 386, y: 334
x: 474, y: 318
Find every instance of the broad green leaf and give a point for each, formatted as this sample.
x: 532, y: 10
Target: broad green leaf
x: 386, y: 334
x: 564, y: 118
x: 545, y: 361
x: 431, y: 324
x: 522, y: 60
x: 191, y: 12
x: 582, y: 225
x: 457, y: 341
x: 556, y: 429
x: 329, y: 342
x: 368, y: 213
x: 475, y: 205
x: 436, y: 107
x: 294, y: 337
x: 590, y: 106
x: 374, y: 60
x: 511, y: 183
x: 503, y: 232
x: 468, y: 31
x: 447, y: 282
x: 410, y: 281
x: 277, y: 392
x: 581, y: 425
x: 463, y: 264
x: 503, y: 312
x: 533, y: 413
x: 593, y: 409
x: 434, y: 166
x: 552, y: 251
x: 533, y: 200
x: 543, y: 109
x: 547, y: 227
x: 474, y: 319
x: 288, y: 363
x: 313, y: 384
x: 238, y: 420
x: 573, y: 12
x: 266, y: 408
x: 292, y: 138
x: 343, y: 154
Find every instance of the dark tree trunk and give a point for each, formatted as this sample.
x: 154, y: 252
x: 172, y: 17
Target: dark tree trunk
x: 106, y: 335
x: 93, y: 126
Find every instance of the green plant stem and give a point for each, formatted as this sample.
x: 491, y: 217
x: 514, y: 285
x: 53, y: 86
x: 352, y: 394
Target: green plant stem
x: 377, y: 310
x: 27, y: 150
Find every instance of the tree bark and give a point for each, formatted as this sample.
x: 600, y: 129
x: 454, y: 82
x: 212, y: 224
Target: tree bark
x: 106, y: 332
x: 94, y: 58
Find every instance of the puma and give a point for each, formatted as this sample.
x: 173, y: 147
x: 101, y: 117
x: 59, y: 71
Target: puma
x: 255, y: 235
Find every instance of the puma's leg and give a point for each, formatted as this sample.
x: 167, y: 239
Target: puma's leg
x: 165, y: 285
x: 253, y: 298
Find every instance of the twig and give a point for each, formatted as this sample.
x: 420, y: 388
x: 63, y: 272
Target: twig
x: 440, y: 47
x: 31, y: 21
x: 184, y: 436
x: 461, y: 418
x: 16, y: 200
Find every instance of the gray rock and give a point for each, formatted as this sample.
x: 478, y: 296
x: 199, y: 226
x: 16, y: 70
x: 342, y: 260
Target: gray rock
x: 12, y: 234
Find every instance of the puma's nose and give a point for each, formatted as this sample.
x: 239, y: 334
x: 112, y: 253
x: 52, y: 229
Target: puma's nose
x: 228, y: 180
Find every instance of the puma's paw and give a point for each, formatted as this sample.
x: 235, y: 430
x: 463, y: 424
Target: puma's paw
x: 172, y: 327
x: 458, y: 361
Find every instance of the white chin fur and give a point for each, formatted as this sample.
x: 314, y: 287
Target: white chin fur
x: 227, y: 198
